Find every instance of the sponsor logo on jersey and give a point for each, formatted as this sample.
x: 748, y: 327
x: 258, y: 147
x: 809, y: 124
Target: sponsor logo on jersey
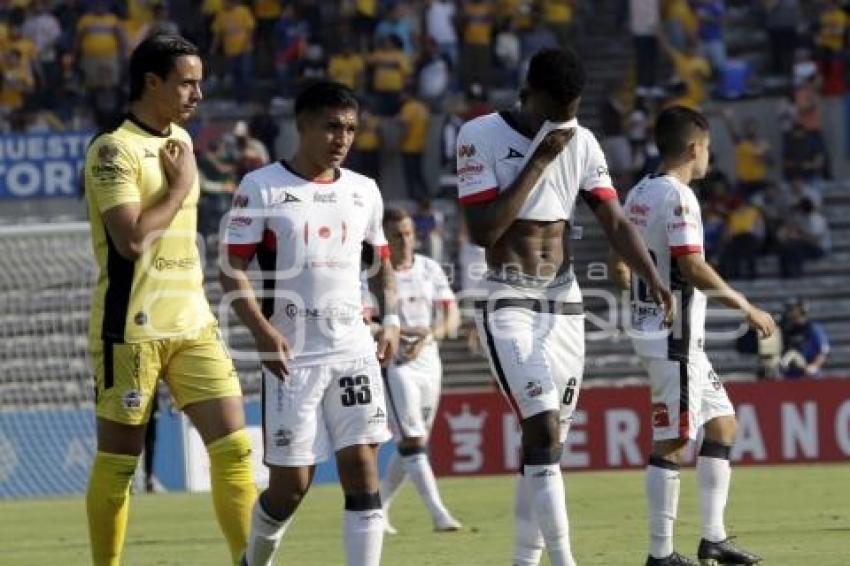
x: 325, y: 198
x: 681, y: 210
x: 601, y: 171
x: 513, y: 154
x: 660, y: 415
x: 132, y: 399
x: 673, y: 226
x: 338, y: 313
x: 379, y: 417
x: 466, y: 150
x: 140, y: 319
x: 282, y: 438
x: 533, y: 389
x: 149, y: 153
x: 471, y: 168
x: 179, y: 264
x: 357, y: 199
x: 240, y: 201
x: 639, y: 209
x: 240, y: 221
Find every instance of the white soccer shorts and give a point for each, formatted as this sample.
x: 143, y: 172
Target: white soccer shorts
x: 413, y: 393
x: 534, y: 339
x: 685, y: 395
x: 317, y: 410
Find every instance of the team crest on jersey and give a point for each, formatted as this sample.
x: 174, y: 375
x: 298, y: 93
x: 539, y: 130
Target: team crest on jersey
x: 240, y: 201
x: 107, y: 152
x: 467, y: 150
x: 533, y: 389
x: 282, y: 438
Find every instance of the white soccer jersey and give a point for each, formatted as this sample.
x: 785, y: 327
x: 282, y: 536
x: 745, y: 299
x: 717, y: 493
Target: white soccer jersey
x: 491, y: 153
x: 317, y: 230
x: 667, y: 213
x: 419, y: 288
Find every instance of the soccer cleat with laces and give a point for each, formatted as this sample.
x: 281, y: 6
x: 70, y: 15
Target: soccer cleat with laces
x: 674, y: 559
x: 724, y: 553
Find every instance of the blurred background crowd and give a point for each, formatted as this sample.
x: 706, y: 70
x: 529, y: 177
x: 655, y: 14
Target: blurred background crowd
x: 772, y: 76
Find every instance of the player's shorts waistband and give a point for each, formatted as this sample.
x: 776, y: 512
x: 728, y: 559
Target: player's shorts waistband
x: 536, y: 305
x: 517, y: 278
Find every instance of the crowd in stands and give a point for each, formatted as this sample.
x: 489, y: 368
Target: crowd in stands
x: 416, y: 61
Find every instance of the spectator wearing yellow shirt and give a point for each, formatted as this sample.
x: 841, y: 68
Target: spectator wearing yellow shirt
x: 364, y: 21
x: 413, y: 118
x: 267, y: 13
x: 100, y: 46
x: 390, y: 67
x: 830, y: 42
x: 559, y: 15
x: 680, y: 22
x: 347, y: 67
x: 692, y: 69
x: 233, y: 34
x: 743, y: 239
x: 752, y: 155
x: 17, y: 81
x: 365, y: 152
x: 477, y: 26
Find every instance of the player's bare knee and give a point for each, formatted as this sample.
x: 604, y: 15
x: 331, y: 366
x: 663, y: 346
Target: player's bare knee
x: 358, y: 468
x: 119, y: 438
x: 541, y: 439
x: 722, y: 430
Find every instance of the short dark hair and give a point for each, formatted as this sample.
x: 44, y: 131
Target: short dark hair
x: 395, y: 214
x: 321, y: 94
x: 157, y: 54
x: 557, y: 72
x: 675, y: 128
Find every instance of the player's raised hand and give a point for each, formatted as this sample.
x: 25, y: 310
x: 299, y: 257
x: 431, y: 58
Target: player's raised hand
x: 551, y: 145
x: 387, y: 339
x: 274, y: 351
x: 761, y: 321
x: 662, y: 296
x: 178, y: 164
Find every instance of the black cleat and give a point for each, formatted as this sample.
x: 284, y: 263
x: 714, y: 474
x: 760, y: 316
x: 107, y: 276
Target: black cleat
x: 724, y: 553
x: 675, y: 559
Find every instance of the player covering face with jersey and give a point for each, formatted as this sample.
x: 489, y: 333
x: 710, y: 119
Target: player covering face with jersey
x: 519, y: 175
x: 306, y: 222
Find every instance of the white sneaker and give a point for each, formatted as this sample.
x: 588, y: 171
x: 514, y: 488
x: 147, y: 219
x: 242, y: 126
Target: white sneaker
x: 388, y: 528
x: 447, y: 524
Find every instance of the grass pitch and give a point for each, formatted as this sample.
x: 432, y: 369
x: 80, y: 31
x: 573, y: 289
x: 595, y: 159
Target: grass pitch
x: 792, y: 515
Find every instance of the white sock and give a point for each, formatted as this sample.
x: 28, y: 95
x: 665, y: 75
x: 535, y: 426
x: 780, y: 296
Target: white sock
x: 392, y: 480
x: 528, y: 541
x: 713, y: 475
x: 662, y: 493
x: 364, y: 537
x: 265, y: 536
x: 419, y: 470
x: 550, y: 509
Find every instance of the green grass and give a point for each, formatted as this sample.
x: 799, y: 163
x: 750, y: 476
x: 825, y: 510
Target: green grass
x: 793, y: 516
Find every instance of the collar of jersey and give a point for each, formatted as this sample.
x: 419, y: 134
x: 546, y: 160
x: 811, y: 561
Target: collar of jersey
x: 145, y: 128
x: 337, y: 174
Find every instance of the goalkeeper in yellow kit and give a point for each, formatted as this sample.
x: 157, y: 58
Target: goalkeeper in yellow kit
x: 150, y: 318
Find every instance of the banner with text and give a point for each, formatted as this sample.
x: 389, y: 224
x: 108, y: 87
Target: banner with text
x: 42, y: 165
x: 475, y: 432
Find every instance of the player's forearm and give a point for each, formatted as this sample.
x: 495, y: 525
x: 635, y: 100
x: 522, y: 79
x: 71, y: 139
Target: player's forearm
x: 244, y: 302
x: 629, y: 246
x: 382, y: 285
x: 702, y: 276
x: 489, y: 221
x: 447, y: 325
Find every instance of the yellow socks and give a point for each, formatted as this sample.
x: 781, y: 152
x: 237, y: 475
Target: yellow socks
x: 107, y: 504
x: 233, y: 488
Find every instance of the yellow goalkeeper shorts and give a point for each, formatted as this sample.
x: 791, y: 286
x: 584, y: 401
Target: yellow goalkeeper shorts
x: 195, y: 367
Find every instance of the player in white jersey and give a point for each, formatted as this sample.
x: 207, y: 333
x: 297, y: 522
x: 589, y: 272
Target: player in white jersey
x: 686, y: 392
x: 519, y: 174
x: 428, y: 313
x: 307, y: 221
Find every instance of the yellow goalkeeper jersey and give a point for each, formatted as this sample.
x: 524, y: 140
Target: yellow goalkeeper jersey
x: 160, y: 294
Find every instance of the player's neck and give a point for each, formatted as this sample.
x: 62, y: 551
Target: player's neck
x: 310, y: 170
x: 682, y: 172
x: 142, y: 113
x: 403, y: 263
